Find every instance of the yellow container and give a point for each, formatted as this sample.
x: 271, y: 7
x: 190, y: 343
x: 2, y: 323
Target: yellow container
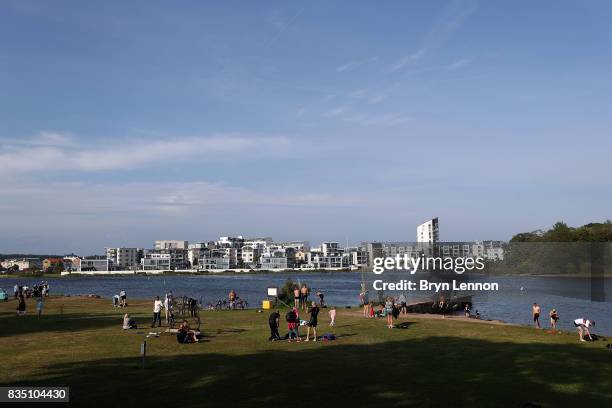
x: 266, y: 304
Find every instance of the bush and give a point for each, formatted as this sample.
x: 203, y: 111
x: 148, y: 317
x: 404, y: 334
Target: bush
x: 285, y: 294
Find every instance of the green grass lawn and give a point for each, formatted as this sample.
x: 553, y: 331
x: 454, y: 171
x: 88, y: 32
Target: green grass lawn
x: 430, y: 362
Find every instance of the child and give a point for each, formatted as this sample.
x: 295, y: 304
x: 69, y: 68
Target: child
x: 332, y: 316
x: 39, y: 306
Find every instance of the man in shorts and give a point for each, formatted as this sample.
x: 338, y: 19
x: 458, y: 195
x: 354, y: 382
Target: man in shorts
x: 314, y: 313
x: 535, y: 310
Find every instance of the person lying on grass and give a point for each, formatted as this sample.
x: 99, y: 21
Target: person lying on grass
x: 185, y: 334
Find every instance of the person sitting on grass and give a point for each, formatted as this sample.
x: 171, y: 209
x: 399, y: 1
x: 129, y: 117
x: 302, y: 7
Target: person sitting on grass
x: 312, y: 323
x: 583, y: 325
x: 128, y: 322
x: 185, y: 334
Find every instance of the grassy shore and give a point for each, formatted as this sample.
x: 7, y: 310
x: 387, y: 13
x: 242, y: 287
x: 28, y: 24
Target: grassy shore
x: 426, y: 362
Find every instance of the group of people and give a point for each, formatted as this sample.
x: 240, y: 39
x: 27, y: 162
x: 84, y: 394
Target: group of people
x: 301, y: 297
x: 391, y: 309
x: 294, y: 322
x: 120, y: 300
x: 38, y: 292
x: 582, y: 324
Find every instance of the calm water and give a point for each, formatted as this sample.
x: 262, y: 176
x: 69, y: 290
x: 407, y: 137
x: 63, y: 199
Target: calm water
x: 570, y: 296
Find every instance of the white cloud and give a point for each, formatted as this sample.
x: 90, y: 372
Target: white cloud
x: 402, y: 62
x: 118, y: 154
x: 353, y: 65
x: 368, y: 119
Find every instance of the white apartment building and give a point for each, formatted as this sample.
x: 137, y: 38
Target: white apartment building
x: 156, y: 261
x: 195, y: 251
x: 171, y: 244
x: 250, y: 255
x: 330, y: 248
x: 124, y: 258
x: 428, y: 232
x: 258, y: 242
x: 94, y: 263
x: 23, y: 264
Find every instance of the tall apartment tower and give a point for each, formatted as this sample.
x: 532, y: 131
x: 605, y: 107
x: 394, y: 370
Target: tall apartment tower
x: 428, y: 232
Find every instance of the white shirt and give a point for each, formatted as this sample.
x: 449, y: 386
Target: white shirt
x: 583, y: 322
x: 157, y: 306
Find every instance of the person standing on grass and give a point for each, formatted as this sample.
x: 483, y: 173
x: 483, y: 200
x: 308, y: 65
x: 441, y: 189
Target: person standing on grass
x: 535, y: 310
x: 168, y: 306
x: 296, y: 297
x: 39, y: 306
x: 304, y: 296
x: 16, y: 290
x: 274, y: 321
x: 321, y: 296
x: 293, y: 321
x: 365, y: 300
x: 21, y: 305
x: 554, y: 317
x: 157, y: 307
x: 332, y: 316
x: 312, y: 323
x: 402, y: 302
x: 583, y: 325
x: 123, y: 298
x: 389, y: 312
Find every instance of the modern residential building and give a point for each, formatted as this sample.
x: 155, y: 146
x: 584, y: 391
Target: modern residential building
x: 428, y: 232
x: 93, y: 263
x: 195, y: 251
x: 250, y: 256
x: 217, y: 259
x: 23, y: 263
x: 156, y: 261
x: 125, y: 258
x: 374, y: 250
x: 356, y: 256
x: 281, y: 258
x: 171, y: 244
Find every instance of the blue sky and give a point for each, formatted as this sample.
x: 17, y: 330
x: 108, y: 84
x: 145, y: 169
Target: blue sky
x: 122, y: 123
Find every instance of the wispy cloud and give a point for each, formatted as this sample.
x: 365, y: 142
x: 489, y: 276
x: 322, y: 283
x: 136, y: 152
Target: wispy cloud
x: 404, y: 61
x: 44, y: 138
x: 379, y: 119
x: 335, y: 112
x: 130, y: 154
x: 353, y: 65
x: 451, y: 19
x: 453, y: 66
x: 368, y: 119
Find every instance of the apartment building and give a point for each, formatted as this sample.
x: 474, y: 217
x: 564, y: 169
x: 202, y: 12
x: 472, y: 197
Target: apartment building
x: 428, y: 232
x: 124, y: 258
x: 93, y: 263
x: 23, y: 263
x: 171, y: 244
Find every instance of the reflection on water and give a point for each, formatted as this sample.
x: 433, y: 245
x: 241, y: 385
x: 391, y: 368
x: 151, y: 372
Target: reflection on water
x: 570, y: 296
